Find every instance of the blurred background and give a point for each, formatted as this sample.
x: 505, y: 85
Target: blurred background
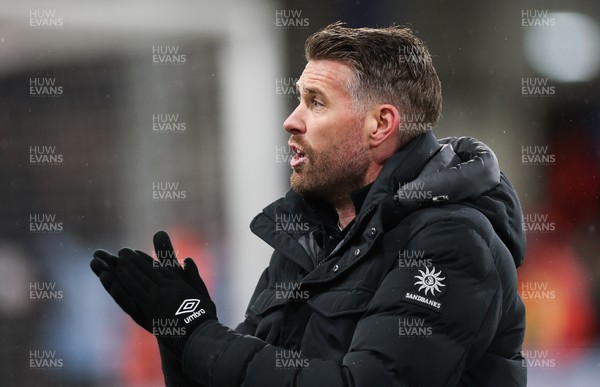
x: 122, y: 118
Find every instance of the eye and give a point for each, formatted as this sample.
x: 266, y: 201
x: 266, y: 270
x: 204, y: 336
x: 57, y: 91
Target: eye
x: 316, y: 103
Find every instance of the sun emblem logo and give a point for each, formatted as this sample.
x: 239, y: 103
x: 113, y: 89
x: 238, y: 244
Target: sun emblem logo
x: 430, y: 280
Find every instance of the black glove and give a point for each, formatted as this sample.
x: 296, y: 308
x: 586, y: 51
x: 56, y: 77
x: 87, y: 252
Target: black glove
x: 173, y: 307
x: 104, y: 265
x: 189, y: 272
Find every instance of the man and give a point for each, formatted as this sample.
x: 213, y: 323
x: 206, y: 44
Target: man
x: 403, y: 269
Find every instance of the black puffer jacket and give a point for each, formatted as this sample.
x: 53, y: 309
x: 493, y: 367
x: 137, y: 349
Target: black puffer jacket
x: 421, y: 291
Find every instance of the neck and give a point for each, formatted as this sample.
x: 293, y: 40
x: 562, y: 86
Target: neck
x: 344, y: 205
x: 345, y: 210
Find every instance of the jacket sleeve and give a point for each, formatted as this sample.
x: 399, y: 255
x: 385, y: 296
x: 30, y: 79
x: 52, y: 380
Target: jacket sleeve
x: 172, y: 372
x: 248, y: 326
x: 421, y: 328
x: 171, y: 366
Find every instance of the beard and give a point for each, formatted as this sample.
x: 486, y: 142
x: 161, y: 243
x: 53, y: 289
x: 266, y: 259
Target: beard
x: 334, y: 172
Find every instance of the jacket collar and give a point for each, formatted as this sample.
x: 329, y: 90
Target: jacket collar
x: 403, y: 166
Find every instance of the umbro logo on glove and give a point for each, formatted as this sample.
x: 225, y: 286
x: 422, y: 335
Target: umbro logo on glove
x: 148, y: 293
x: 188, y: 306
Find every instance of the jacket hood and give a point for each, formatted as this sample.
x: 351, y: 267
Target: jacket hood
x: 458, y: 170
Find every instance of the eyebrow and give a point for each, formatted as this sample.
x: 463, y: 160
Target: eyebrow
x: 311, y: 90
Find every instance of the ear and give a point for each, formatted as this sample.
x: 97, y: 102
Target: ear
x: 384, y: 123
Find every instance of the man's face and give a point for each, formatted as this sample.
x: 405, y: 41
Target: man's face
x: 327, y: 136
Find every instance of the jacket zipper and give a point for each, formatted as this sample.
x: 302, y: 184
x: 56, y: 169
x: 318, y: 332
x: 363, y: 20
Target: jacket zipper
x: 349, y: 236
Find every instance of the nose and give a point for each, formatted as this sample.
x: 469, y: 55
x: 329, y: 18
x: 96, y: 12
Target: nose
x: 294, y: 124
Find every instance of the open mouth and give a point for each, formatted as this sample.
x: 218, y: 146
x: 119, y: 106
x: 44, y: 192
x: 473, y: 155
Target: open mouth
x: 299, y: 156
